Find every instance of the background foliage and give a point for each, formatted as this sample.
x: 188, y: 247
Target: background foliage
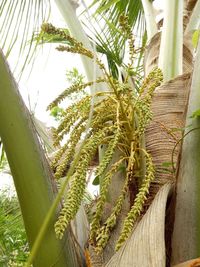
x: 13, y: 242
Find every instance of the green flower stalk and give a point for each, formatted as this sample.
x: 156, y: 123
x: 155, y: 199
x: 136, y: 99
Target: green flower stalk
x: 103, y: 234
x: 95, y: 224
x: 138, y: 203
x: 75, y: 88
x: 78, y: 184
x: 108, y: 154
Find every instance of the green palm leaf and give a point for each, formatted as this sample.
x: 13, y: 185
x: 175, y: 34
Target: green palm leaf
x: 18, y: 20
x: 107, y: 37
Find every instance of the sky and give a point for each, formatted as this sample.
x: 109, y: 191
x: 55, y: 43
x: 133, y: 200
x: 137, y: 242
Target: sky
x: 47, y: 78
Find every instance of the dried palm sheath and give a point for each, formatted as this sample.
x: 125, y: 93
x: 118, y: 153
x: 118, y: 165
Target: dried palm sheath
x: 152, y: 54
x: 146, y: 246
x: 164, y: 133
x: 169, y: 108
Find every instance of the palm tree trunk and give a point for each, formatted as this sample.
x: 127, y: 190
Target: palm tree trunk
x: 186, y: 236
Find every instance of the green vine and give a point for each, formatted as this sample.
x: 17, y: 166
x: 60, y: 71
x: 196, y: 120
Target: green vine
x: 119, y: 118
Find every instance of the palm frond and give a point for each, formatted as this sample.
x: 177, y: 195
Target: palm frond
x: 18, y: 20
x: 13, y: 240
x: 104, y: 30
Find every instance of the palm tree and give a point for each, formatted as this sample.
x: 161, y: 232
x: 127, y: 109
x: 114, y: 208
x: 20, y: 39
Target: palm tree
x: 171, y: 49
